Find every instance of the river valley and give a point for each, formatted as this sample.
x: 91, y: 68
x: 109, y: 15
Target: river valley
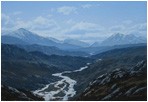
x: 59, y: 90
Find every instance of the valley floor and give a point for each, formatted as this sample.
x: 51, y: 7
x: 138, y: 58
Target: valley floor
x: 59, y: 90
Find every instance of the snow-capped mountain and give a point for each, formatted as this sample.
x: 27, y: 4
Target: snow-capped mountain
x: 120, y: 39
x: 95, y: 44
x: 23, y: 36
x: 76, y: 42
x: 29, y: 37
x: 55, y: 40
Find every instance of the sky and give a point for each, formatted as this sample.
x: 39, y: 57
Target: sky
x: 82, y: 20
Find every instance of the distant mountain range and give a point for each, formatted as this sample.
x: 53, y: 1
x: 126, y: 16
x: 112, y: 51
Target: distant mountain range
x: 120, y: 39
x: 76, y: 42
x: 99, y: 49
x: 25, y: 37
x: 51, y: 50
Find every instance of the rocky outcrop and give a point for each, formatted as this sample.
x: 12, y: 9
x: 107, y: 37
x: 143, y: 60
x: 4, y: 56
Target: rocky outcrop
x: 12, y: 94
x: 120, y: 84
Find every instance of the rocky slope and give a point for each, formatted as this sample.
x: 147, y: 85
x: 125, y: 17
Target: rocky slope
x: 120, y: 84
x: 106, y: 62
x: 12, y: 94
x: 25, y: 37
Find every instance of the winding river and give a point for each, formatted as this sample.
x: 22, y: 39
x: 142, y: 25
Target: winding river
x: 59, y: 90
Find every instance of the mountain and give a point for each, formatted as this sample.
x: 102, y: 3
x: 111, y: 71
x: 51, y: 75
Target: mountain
x: 14, y: 53
x: 33, y: 70
x: 122, y: 52
x: 55, y: 40
x: 118, y: 74
x: 106, y: 62
x: 19, y: 66
x: 119, y: 85
x: 50, y: 50
x: 121, y: 39
x: 76, y: 42
x: 12, y: 40
x: 95, y: 44
x: 99, y: 49
x: 13, y: 94
x: 29, y: 37
x: 23, y: 36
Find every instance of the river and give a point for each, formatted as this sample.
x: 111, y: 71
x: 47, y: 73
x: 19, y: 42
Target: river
x: 59, y: 90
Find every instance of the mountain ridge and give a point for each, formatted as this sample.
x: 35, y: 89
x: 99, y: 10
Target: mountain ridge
x: 23, y: 35
x: 76, y: 42
x: 120, y: 39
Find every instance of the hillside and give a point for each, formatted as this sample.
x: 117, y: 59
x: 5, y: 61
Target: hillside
x: 34, y: 69
x: 119, y: 85
x: 12, y: 94
x: 120, y: 39
x: 50, y: 50
x: 106, y: 62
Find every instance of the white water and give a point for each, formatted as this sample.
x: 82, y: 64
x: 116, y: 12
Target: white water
x: 67, y: 88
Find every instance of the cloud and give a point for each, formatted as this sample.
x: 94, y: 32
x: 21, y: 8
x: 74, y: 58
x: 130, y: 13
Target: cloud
x: 87, y: 26
x: 66, y: 10
x: 49, y: 15
x: 44, y: 26
x: 84, y: 31
x: 17, y: 13
x: 43, y: 23
x: 139, y: 29
x: 86, y: 6
x: 84, y: 26
x: 5, y: 19
x: 76, y: 29
x: 70, y: 22
x: 7, y: 23
x: 40, y: 25
x: 117, y: 28
x: 127, y: 22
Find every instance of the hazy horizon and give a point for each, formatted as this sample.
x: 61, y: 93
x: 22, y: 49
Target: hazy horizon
x: 84, y: 21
